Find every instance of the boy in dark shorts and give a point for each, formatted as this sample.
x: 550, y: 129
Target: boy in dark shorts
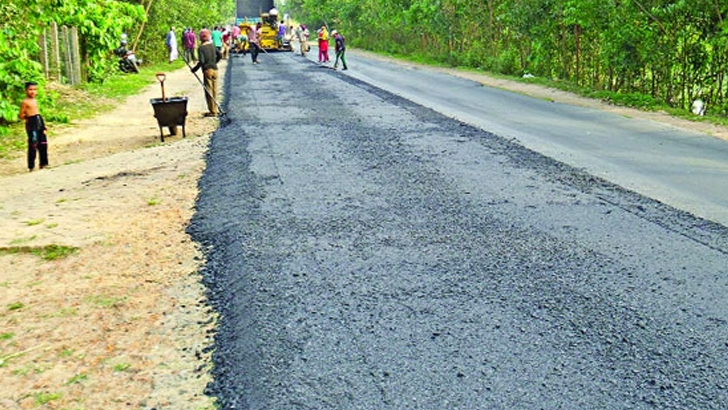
x: 34, y: 127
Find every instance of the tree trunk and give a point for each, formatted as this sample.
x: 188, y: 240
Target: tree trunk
x: 577, y: 41
x: 141, y: 29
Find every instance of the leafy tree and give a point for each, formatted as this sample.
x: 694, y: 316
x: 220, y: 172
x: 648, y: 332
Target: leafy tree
x: 100, y: 24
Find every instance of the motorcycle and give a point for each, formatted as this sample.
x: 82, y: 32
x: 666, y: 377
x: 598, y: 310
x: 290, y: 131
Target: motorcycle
x: 128, y: 62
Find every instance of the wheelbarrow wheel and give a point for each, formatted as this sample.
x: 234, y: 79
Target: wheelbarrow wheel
x: 173, y: 130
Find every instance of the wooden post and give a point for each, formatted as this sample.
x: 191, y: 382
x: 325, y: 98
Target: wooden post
x: 43, y: 43
x: 55, y: 63
x: 75, y: 57
x: 65, y: 58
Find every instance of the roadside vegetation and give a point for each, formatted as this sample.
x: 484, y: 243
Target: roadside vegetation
x: 65, y: 104
x: 646, y: 54
x: 100, y: 25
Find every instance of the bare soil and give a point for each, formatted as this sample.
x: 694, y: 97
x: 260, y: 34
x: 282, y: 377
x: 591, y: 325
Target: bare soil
x: 123, y: 321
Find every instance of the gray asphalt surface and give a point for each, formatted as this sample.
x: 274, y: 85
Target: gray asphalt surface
x: 365, y: 252
x: 681, y: 168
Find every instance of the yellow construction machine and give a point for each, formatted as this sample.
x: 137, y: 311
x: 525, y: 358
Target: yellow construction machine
x: 270, y: 26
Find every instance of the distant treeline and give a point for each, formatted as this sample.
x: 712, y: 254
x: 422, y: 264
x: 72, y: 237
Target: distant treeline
x: 670, y: 51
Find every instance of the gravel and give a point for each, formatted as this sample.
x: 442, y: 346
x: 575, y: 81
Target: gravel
x: 364, y: 252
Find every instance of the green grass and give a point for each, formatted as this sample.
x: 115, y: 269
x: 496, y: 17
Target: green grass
x: 639, y: 101
x: 54, y: 252
x: 20, y: 241
x: 16, y: 306
x: 47, y: 252
x: 44, y: 398
x: 121, y: 367
x: 77, y: 378
x: 105, y: 301
x: 6, y: 336
x: 34, y: 222
x: 154, y: 201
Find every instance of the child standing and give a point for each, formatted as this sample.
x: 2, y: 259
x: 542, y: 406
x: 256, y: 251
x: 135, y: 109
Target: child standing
x: 34, y: 127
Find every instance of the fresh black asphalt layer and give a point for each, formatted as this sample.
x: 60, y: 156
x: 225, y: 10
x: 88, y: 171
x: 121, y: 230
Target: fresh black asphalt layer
x: 364, y: 252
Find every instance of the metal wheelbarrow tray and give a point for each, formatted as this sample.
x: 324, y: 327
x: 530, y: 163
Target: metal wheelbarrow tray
x: 170, y: 112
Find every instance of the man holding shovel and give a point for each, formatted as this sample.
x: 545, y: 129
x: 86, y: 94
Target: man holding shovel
x: 208, y: 56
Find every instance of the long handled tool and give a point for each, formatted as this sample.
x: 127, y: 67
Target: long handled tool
x: 267, y: 54
x: 161, y: 77
x: 221, y: 113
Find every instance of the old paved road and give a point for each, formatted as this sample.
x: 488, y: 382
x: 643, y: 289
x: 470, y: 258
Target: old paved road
x: 365, y: 252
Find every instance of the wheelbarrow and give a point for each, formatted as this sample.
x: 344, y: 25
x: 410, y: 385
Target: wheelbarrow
x: 169, y: 112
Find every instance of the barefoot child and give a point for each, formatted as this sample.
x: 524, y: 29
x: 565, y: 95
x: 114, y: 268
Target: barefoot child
x: 34, y: 126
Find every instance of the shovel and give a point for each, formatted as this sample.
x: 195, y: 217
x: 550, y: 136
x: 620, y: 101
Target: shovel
x: 161, y: 77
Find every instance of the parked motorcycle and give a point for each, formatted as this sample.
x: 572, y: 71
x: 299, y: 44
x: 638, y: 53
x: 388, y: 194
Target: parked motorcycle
x: 128, y: 62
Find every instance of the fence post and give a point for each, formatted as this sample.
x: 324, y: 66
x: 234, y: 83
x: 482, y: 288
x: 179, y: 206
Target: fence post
x: 43, y: 42
x: 75, y: 57
x: 55, y: 63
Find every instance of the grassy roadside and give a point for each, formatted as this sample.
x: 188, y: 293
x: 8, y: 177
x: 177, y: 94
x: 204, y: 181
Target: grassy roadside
x: 632, y: 100
x: 85, y: 101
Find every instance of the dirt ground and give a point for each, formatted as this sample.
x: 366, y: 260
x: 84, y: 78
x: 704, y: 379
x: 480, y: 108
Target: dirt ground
x: 122, y: 322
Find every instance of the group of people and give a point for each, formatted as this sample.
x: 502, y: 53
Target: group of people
x: 222, y: 38
x: 214, y: 46
x: 339, y: 47
x: 302, y: 35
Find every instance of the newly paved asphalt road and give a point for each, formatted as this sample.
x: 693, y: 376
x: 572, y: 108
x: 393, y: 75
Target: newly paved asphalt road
x: 366, y: 252
x: 681, y: 168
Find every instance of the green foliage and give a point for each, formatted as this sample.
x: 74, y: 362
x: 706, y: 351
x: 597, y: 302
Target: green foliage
x: 47, y: 252
x: 164, y: 14
x: 54, y: 252
x: 639, y: 53
x: 43, y: 398
x: 18, y: 41
x: 100, y: 24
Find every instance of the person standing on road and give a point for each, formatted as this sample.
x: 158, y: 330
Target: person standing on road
x: 323, y: 43
x: 235, y: 42
x: 34, y: 126
x: 226, y: 42
x: 216, y: 37
x: 254, y: 41
x: 243, y: 44
x: 281, y: 34
x: 190, y: 41
x: 302, y: 35
x: 340, y: 48
x: 171, y: 43
x: 208, y: 56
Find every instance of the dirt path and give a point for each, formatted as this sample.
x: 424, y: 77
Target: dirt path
x: 126, y: 309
